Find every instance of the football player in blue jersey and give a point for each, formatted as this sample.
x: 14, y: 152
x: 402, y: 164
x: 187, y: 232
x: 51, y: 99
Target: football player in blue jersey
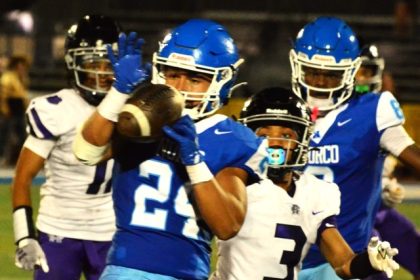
x: 76, y: 221
x: 350, y: 133
x: 168, y: 211
x: 280, y: 224
x: 389, y: 224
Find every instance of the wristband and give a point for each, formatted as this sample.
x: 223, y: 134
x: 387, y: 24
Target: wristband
x: 112, y: 104
x: 199, y: 173
x: 23, y: 224
x: 360, y: 266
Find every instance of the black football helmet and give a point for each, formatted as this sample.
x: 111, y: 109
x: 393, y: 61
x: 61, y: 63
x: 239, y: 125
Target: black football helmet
x: 86, y: 55
x: 280, y: 107
x: 374, y: 63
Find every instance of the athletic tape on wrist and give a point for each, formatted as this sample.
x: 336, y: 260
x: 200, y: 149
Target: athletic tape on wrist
x: 199, y: 173
x: 112, y: 104
x: 23, y: 223
x: 86, y: 152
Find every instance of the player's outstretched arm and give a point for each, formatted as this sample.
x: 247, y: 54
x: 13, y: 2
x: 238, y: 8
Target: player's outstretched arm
x: 90, y: 145
x: 222, y: 208
x: 411, y: 157
x: 348, y: 265
x: 29, y: 254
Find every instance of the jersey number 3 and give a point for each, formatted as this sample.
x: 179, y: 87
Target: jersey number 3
x: 290, y: 258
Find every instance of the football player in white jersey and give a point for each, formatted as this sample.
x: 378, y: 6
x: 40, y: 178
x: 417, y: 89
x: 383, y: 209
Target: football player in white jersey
x: 76, y: 220
x: 350, y: 134
x: 290, y: 210
x: 168, y: 211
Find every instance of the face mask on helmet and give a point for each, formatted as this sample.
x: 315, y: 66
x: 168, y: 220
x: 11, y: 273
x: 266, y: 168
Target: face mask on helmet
x: 86, y: 55
x: 324, y: 62
x: 284, y: 119
x: 92, y: 72
x: 281, y: 158
x: 369, y: 76
x: 204, y: 48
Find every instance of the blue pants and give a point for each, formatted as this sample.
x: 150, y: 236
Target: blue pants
x: 113, y: 272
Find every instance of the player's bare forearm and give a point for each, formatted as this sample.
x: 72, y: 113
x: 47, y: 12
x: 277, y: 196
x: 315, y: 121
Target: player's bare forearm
x: 97, y: 130
x: 28, y: 166
x: 222, y: 202
x: 344, y: 271
x: 337, y: 252
x: 411, y: 157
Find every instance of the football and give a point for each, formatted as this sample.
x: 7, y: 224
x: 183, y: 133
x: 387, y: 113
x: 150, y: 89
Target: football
x: 149, y: 109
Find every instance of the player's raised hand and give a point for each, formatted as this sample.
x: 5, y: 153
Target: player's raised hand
x: 128, y: 66
x: 184, y: 133
x: 393, y: 193
x: 381, y: 256
x: 29, y: 255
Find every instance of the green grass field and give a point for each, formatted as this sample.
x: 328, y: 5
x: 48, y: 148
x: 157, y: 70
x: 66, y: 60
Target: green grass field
x: 8, y: 271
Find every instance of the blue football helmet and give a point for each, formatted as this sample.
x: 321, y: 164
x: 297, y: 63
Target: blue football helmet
x: 325, y: 46
x: 202, y: 46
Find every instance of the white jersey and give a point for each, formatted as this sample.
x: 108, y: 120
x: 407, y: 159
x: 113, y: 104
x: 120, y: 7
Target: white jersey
x: 76, y: 199
x: 278, y: 230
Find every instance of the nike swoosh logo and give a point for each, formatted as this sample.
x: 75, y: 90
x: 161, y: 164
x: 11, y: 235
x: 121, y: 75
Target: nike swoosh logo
x: 219, y: 132
x: 343, y: 123
x: 316, y: 212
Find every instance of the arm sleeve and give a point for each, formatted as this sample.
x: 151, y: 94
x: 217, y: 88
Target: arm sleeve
x: 395, y: 140
x: 41, y: 147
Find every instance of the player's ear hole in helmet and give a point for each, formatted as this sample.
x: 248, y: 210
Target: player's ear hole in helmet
x: 86, y: 55
x: 285, y: 119
x: 205, y: 48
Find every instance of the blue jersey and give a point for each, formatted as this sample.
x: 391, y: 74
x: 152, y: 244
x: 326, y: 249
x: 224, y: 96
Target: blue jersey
x: 158, y: 229
x: 348, y: 153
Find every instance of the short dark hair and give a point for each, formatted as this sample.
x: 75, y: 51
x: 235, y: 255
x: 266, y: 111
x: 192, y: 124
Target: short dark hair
x: 16, y: 60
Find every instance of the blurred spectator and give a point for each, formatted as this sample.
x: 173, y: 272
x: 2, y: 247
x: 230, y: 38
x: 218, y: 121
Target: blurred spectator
x: 405, y: 13
x: 13, y: 102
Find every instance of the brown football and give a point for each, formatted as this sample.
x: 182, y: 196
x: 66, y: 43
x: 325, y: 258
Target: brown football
x: 149, y: 109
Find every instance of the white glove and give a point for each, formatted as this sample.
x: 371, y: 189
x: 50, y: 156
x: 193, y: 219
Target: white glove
x: 393, y: 193
x: 381, y: 256
x: 29, y: 255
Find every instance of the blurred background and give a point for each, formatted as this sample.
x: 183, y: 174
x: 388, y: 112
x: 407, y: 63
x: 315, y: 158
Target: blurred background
x: 263, y: 30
